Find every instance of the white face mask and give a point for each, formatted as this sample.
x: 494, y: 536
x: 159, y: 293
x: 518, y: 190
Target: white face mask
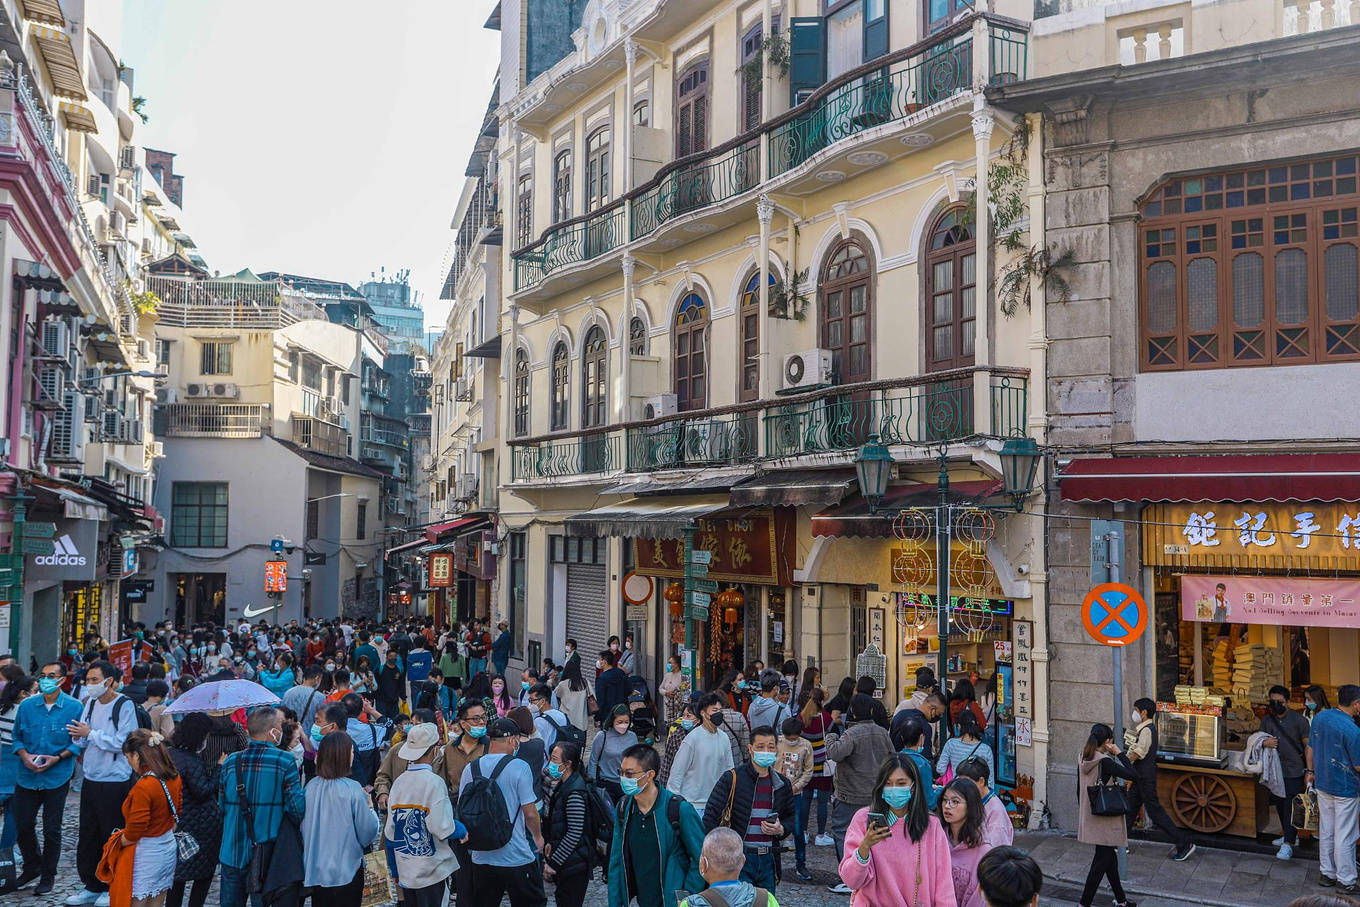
x: 1137, y: 716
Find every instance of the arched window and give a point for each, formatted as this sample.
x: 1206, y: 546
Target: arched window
x: 691, y: 353
x: 951, y: 281
x: 521, y: 393
x: 845, y: 294
x: 594, y: 379
x: 1258, y: 265
x: 561, y: 374
x: 637, y: 337
x: 749, y: 325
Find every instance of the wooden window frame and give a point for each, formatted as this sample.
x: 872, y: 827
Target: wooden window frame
x: 524, y: 211
x: 954, y: 253
x: 930, y: 27
x: 1226, y: 215
x: 597, y: 179
x: 686, y: 330
x: 748, y: 335
x: 595, y: 379
x: 843, y: 284
x: 561, y: 387
x: 642, y: 110
x: 637, y: 337
x: 697, y: 98
x: 751, y: 93
x: 522, y: 379
x: 561, y: 184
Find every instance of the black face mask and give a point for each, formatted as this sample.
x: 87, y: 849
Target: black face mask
x: 1277, y: 707
x: 717, y: 719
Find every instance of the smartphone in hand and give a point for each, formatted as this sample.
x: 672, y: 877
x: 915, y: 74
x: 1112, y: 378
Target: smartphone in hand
x: 880, y: 819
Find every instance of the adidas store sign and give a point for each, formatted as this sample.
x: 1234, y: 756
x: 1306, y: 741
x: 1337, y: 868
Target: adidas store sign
x: 74, y: 553
x: 64, y: 554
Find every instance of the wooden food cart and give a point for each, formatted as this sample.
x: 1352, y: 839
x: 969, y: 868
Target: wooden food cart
x: 1195, y: 786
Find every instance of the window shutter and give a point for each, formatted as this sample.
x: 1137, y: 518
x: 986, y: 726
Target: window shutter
x: 701, y: 123
x: 807, y: 56
x: 875, y: 32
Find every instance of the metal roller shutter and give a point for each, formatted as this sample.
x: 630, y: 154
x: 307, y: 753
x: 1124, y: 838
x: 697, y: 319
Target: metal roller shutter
x: 587, y: 609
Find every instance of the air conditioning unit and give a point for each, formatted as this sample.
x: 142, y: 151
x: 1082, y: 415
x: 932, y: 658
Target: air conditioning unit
x: 659, y: 406
x: 194, y: 389
x: 92, y: 185
x: 157, y: 449
x: 226, y: 389
x: 56, y: 338
x: 52, y: 381
x: 462, y: 390
x: 465, y: 488
x: 67, y: 442
x: 167, y: 395
x: 127, y: 158
x: 117, y: 225
x: 112, y: 423
x: 94, y: 410
x: 807, y: 369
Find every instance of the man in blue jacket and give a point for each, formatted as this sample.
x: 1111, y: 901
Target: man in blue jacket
x: 47, y: 759
x: 658, y: 838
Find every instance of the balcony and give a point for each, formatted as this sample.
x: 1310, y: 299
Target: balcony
x: 216, y: 420
x: 370, y: 434
x: 846, y: 123
x: 923, y: 411
x: 321, y: 436
x: 230, y: 303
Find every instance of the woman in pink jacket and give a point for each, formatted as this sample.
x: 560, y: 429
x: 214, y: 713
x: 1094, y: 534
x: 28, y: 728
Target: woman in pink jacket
x: 964, y: 820
x: 900, y: 856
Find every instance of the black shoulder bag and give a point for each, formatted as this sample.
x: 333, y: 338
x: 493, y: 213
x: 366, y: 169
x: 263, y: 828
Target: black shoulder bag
x: 1108, y: 797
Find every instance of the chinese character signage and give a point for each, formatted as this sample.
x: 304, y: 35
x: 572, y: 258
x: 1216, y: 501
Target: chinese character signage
x: 1267, y: 535
x: 441, y: 571
x: 1278, y: 600
x: 1022, y: 680
x: 276, y: 576
x: 757, y: 548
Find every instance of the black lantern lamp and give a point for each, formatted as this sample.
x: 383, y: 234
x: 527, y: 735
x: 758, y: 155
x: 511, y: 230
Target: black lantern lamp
x: 1019, y: 465
x: 873, y: 468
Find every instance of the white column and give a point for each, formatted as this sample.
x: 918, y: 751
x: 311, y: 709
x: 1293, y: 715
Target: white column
x: 630, y: 55
x: 982, y: 139
x: 508, y: 367
x: 764, y: 214
x: 625, y: 354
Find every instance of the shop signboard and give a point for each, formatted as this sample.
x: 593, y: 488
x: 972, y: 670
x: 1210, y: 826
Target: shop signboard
x: 1275, y: 535
x: 1291, y: 601
x: 72, y: 554
x: 741, y: 550
x: 441, y: 571
x: 120, y: 655
x: 1022, y: 680
x: 276, y: 576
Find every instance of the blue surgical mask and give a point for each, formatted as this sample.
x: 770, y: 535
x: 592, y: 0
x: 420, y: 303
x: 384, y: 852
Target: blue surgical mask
x: 687, y: 723
x: 897, y: 797
x: 763, y: 759
x: 524, y: 684
x: 316, y: 735
x: 554, y: 770
x: 48, y: 685
x: 477, y: 732
x: 1311, y: 706
x: 631, y: 786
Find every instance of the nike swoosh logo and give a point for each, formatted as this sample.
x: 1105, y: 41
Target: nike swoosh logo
x: 252, y: 611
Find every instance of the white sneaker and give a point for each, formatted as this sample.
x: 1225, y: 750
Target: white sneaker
x: 840, y: 888
x: 1277, y: 842
x: 1285, y: 853
x: 103, y: 900
x: 82, y: 897
x: 824, y: 841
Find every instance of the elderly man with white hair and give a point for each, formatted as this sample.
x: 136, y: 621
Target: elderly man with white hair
x: 720, y: 864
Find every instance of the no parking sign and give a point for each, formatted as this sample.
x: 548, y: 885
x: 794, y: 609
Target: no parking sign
x: 1114, y: 614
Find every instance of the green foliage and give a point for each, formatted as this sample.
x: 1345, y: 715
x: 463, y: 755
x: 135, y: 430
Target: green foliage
x: 789, y: 299
x: 776, y: 48
x: 146, y: 302
x: 139, y: 108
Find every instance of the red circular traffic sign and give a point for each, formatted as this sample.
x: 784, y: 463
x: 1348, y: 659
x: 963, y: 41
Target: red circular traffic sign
x: 1114, y: 614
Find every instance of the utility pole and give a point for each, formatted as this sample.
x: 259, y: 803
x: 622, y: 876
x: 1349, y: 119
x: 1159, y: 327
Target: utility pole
x: 943, y: 535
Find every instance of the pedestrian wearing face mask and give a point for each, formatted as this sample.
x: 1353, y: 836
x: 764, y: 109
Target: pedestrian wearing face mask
x: 107, y: 720
x: 657, y: 840
x: 1141, y: 746
x: 512, y: 869
x: 757, y: 803
x: 703, y: 757
x: 568, y: 845
x: 1289, y: 738
x: 687, y: 721
x: 607, y: 749
x: 200, y: 814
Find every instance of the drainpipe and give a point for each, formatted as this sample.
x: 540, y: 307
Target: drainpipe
x: 16, y: 580
x: 1037, y: 428
x: 630, y: 50
x: 625, y: 394
x: 765, y: 214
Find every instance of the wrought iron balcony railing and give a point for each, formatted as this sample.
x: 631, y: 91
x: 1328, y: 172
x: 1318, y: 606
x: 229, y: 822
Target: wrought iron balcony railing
x: 889, y: 89
x: 931, y: 409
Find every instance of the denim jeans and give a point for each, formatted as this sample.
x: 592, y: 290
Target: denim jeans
x: 8, y: 830
x: 823, y: 801
x: 800, y: 811
x: 232, y: 892
x: 759, y: 870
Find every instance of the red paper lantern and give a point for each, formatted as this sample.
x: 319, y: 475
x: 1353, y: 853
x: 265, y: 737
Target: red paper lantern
x: 731, y: 601
x: 675, y: 595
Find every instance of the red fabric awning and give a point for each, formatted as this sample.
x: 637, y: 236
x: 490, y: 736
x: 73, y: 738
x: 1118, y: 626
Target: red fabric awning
x: 1236, y: 477
x: 853, y: 519
x: 432, y: 533
x: 407, y: 546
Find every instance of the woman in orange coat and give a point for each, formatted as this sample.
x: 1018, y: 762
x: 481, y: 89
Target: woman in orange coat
x: 143, y: 857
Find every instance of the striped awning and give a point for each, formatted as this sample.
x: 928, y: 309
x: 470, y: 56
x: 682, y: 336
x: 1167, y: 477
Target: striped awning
x: 78, y: 116
x: 48, y: 11
x: 59, y: 59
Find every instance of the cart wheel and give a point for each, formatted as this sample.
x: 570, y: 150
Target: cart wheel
x: 1203, y: 803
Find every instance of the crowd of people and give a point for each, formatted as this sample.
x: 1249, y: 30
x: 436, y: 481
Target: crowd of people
x: 408, y: 747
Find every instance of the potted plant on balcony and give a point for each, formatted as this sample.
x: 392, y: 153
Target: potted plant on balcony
x: 788, y: 298
x: 776, y: 49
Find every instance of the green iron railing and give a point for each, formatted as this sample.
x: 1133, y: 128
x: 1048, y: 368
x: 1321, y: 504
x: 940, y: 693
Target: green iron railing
x: 1010, y: 406
x: 573, y: 456
x: 1009, y: 61
x: 574, y: 241
x: 892, y: 93
x: 690, y: 187
x: 694, y: 441
x: 926, y: 414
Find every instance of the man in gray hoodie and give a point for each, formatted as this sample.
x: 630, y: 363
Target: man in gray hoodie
x: 858, y: 753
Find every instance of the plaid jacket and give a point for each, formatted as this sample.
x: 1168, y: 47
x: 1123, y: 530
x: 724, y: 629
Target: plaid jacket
x: 272, y: 786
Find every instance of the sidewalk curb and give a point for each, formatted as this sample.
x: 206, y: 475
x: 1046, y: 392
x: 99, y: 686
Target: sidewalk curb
x: 1065, y: 885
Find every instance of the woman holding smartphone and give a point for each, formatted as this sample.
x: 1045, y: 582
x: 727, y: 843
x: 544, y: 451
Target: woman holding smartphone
x: 963, y: 814
x: 896, y: 852
x: 1100, y: 761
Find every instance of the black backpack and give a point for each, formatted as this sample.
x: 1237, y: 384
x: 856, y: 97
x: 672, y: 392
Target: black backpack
x: 568, y: 733
x: 143, y: 716
x: 482, y: 808
x: 599, y: 820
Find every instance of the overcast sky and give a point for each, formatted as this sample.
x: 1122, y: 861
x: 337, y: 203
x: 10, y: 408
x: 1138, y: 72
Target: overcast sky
x: 319, y: 137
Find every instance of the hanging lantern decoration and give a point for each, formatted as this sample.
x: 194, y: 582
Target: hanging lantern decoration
x: 731, y: 602
x: 675, y: 595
